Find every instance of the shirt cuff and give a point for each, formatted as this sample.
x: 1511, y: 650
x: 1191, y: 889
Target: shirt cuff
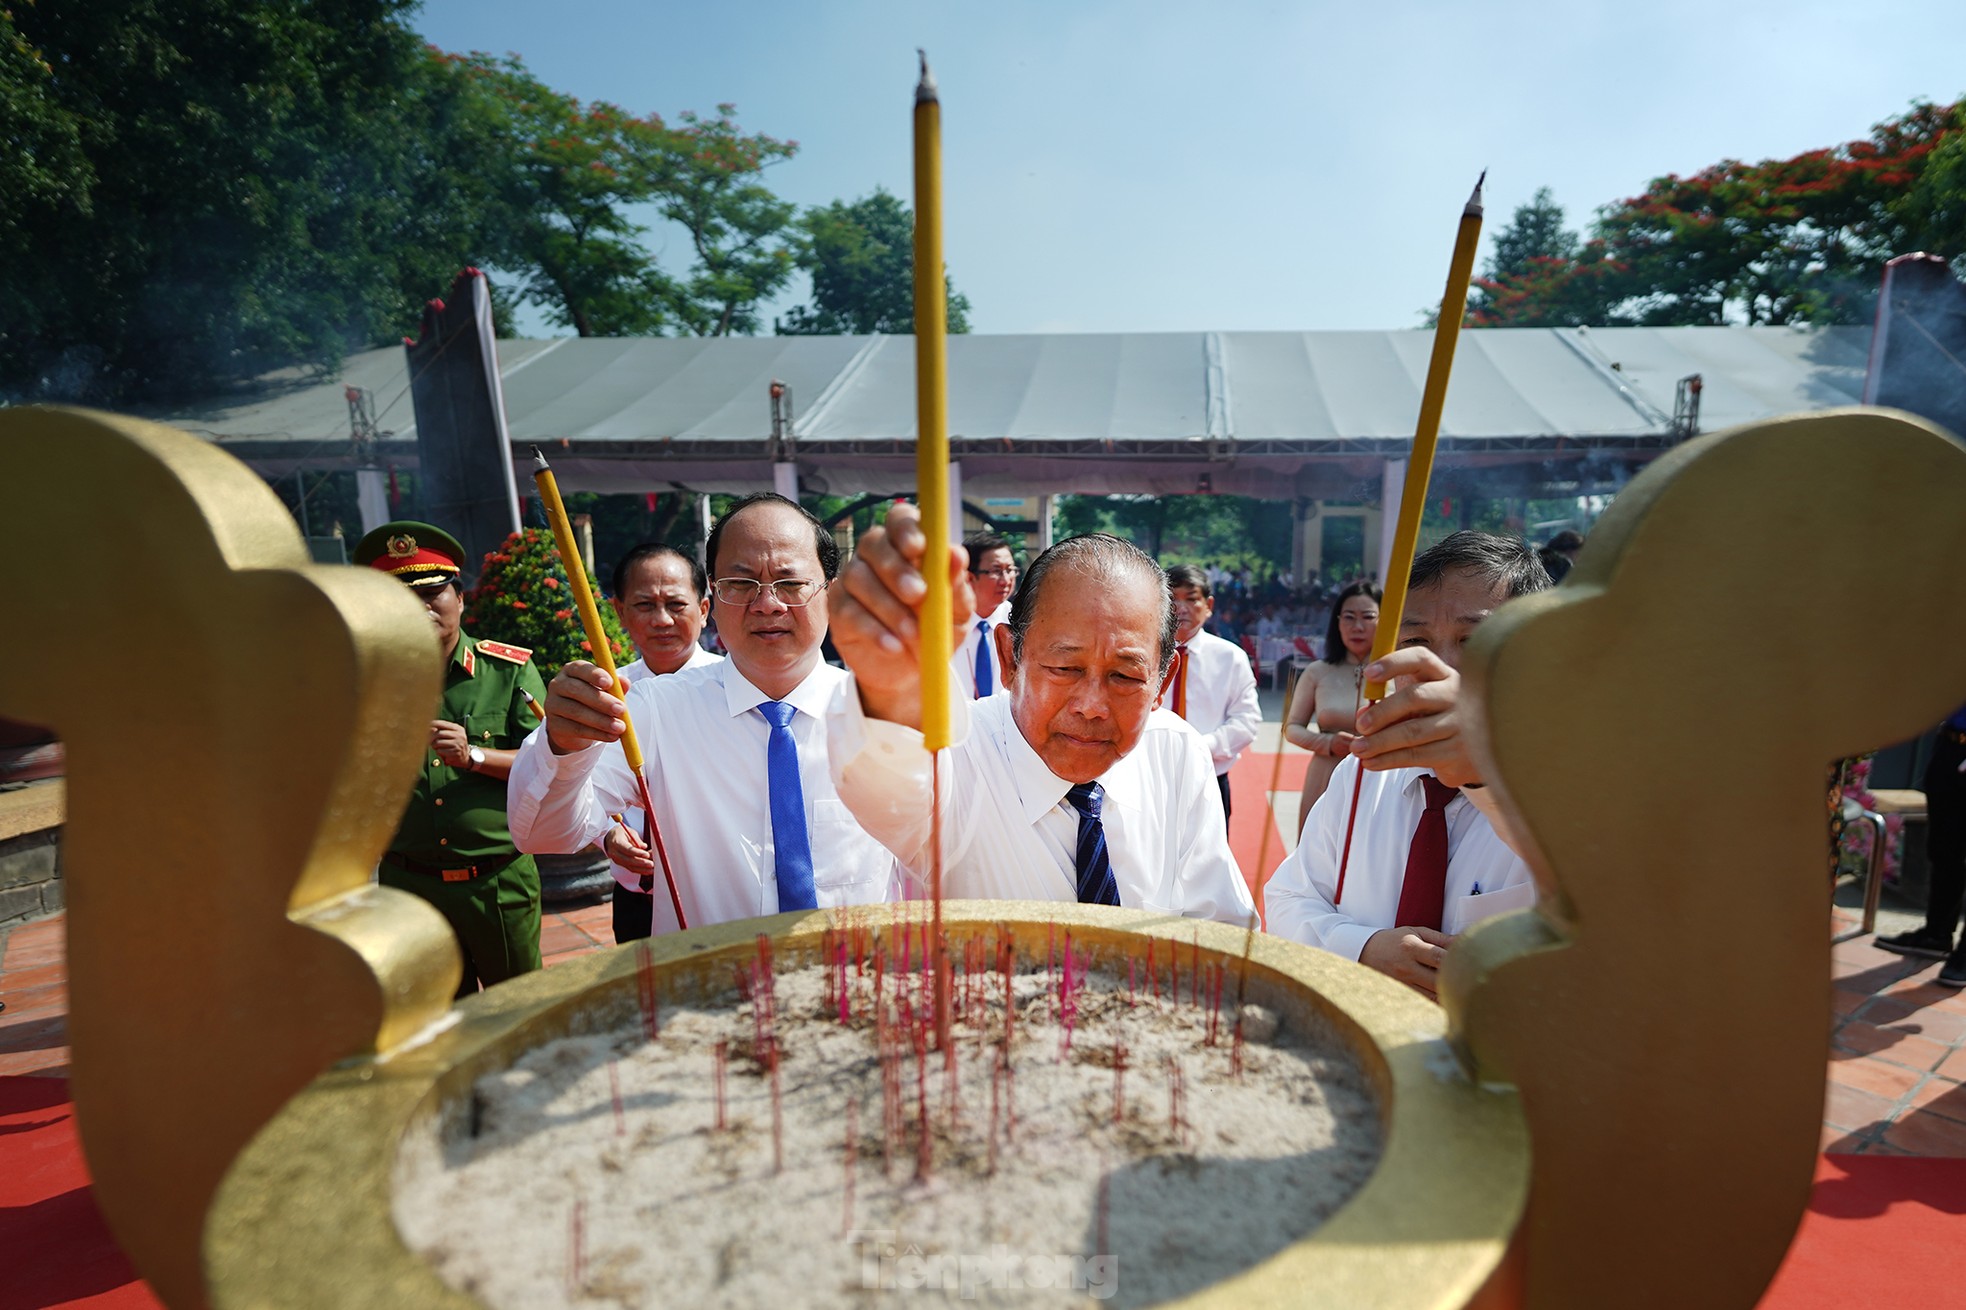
x: 1349, y: 939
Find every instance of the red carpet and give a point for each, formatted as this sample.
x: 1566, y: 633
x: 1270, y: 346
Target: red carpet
x: 55, y: 1249
x: 1882, y: 1231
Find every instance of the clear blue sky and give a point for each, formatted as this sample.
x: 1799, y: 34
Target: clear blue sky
x: 1132, y: 165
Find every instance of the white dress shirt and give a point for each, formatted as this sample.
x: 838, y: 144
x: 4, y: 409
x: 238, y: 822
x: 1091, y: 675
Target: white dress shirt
x: 1010, y: 833
x: 665, y: 915
x: 1221, y: 700
x: 981, y: 632
x: 1297, y: 899
x: 703, y: 742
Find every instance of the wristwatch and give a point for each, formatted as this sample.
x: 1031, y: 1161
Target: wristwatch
x: 477, y: 759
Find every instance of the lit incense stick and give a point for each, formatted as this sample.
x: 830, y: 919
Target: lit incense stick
x: 1413, y: 498
x: 932, y: 493
x: 597, y: 644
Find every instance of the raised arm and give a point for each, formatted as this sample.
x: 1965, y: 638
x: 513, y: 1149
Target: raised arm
x: 875, y: 607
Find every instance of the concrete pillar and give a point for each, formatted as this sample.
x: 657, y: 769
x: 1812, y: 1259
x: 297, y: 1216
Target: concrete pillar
x: 1045, y: 506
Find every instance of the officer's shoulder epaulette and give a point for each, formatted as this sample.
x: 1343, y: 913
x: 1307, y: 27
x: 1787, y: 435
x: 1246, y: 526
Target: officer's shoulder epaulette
x: 500, y: 650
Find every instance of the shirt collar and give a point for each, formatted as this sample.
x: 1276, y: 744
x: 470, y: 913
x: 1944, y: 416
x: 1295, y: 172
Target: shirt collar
x: 465, y: 656
x: 1408, y: 782
x: 809, y: 697
x: 1039, y: 790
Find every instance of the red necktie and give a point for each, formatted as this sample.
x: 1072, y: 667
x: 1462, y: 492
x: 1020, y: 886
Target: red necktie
x: 1423, y: 893
x: 1181, y: 680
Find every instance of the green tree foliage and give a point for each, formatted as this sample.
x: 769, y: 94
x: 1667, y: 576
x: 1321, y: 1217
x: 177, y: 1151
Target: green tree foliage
x: 1193, y: 529
x: 862, y: 261
x: 209, y: 189
x: 1800, y: 240
x: 741, y: 233
x: 196, y: 192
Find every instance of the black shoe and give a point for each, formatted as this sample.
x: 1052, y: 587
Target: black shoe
x: 1922, y: 942
x: 1953, y: 972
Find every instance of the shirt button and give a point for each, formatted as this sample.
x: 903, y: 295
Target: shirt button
x: 436, y: 764
x: 440, y: 800
x: 443, y: 841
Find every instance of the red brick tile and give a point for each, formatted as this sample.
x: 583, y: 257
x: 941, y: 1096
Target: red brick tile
x: 1953, y: 1001
x: 1861, y: 954
x: 1893, y: 1044
x: 1837, y: 1142
x: 1842, y: 1002
x: 1870, y: 1074
x: 1920, y: 990
x: 1939, y: 1096
x: 54, y: 1060
x: 32, y: 955
x: 1848, y: 1108
x: 1883, y: 1148
x: 32, y: 1032
x: 1954, y: 1065
x: 27, y: 979
x: 1944, y: 1026
x: 41, y: 1003
x: 1919, y: 1133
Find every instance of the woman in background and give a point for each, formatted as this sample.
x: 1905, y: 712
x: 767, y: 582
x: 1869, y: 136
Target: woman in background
x: 1324, y: 709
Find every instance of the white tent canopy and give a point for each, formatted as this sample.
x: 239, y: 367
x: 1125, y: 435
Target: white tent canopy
x: 1259, y: 413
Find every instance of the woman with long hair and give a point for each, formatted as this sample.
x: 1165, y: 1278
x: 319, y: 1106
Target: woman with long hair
x: 1323, y: 715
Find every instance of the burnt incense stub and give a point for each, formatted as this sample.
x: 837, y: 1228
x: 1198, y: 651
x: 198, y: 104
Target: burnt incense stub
x: 1096, y: 1132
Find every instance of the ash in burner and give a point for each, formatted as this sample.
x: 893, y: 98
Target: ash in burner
x: 1097, y: 1135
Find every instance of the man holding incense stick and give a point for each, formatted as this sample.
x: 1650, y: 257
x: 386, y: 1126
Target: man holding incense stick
x: 453, y: 847
x: 1069, y: 785
x: 1428, y: 855
x: 735, y: 751
x: 662, y: 598
x: 1210, y: 683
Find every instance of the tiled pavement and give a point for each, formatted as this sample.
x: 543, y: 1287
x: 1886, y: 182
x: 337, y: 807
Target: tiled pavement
x: 1897, y: 1069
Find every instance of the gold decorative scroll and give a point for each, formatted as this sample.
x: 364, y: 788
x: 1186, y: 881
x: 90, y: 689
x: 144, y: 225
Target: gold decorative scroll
x: 1754, y: 605
x: 243, y: 728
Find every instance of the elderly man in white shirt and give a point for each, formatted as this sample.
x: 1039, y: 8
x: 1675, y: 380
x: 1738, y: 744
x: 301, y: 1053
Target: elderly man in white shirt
x: 735, y: 751
x: 1211, y: 684
x: 662, y: 598
x: 1430, y: 854
x: 1070, y: 786
x: 992, y: 576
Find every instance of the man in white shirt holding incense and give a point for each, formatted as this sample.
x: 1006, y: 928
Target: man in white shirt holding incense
x: 1070, y: 786
x: 992, y: 576
x: 662, y: 598
x: 1210, y: 684
x: 735, y: 750
x: 1428, y: 853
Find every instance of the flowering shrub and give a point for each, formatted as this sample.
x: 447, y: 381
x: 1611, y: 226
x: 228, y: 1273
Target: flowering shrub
x: 523, y: 598
x: 1853, y: 856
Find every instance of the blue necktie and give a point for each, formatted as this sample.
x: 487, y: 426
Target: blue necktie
x: 1095, y: 870
x: 791, y: 850
x: 985, y: 681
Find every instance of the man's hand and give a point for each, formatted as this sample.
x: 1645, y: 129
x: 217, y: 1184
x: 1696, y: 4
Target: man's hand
x: 628, y: 850
x: 875, y: 610
x: 581, y: 708
x: 449, y: 743
x: 1419, y: 725
x: 1411, y: 955
x: 1337, y: 744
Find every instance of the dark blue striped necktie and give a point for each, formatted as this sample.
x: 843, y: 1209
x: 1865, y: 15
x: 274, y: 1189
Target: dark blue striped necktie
x: 1095, y: 870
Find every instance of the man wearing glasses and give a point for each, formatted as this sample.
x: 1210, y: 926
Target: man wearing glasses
x: 735, y: 751
x: 1070, y: 785
x: 993, y: 576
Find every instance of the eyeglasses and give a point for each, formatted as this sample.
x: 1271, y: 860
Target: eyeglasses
x: 792, y: 593
x: 1004, y: 574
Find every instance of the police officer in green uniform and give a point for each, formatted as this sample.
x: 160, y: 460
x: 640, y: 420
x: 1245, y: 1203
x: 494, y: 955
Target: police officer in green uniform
x: 453, y: 848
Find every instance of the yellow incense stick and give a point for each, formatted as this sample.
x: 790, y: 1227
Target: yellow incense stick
x: 1426, y: 434
x: 583, y: 598
x: 932, y: 414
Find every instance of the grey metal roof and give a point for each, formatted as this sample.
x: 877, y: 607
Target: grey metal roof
x: 1085, y: 412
